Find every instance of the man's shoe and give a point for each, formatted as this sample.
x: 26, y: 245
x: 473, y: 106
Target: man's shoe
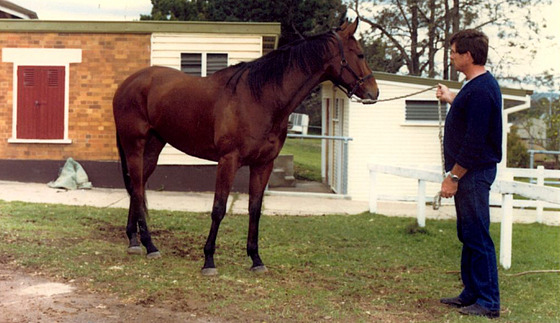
x: 455, y: 302
x: 478, y: 310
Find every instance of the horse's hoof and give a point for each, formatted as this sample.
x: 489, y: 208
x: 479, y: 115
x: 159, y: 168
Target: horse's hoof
x: 154, y: 255
x: 259, y: 269
x: 209, y: 271
x: 134, y: 250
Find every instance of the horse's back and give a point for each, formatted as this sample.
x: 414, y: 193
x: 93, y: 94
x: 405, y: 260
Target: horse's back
x: 176, y: 106
x: 141, y: 81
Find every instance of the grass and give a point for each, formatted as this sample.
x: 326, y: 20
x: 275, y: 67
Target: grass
x: 307, y: 157
x: 360, y: 268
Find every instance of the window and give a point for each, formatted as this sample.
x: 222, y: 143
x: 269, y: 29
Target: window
x: 40, y: 96
x: 337, y: 107
x: 424, y: 110
x: 40, y: 102
x: 203, y: 64
x: 268, y: 44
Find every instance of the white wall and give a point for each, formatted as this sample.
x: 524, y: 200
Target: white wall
x: 382, y: 135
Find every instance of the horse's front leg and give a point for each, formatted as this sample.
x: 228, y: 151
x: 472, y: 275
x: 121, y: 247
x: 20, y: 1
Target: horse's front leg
x: 227, y: 167
x: 258, y: 180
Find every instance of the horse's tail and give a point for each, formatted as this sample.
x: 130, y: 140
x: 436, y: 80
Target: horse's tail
x: 124, y: 167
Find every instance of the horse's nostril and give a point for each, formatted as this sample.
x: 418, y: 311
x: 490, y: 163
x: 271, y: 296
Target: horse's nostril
x: 373, y: 96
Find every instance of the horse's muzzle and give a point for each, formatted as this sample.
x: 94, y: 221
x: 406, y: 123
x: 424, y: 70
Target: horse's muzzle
x: 372, y: 95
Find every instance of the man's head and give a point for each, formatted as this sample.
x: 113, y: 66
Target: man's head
x: 473, y: 41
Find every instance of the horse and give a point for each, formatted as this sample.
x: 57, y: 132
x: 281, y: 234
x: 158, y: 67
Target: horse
x: 237, y: 117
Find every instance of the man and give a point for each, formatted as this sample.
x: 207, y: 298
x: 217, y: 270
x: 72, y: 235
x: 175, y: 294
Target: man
x: 472, y: 148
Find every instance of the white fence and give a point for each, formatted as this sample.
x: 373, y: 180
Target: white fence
x: 544, y: 196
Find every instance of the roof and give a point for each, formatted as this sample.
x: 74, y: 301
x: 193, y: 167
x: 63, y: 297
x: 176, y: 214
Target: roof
x: 13, y: 10
x: 140, y: 27
x: 430, y: 81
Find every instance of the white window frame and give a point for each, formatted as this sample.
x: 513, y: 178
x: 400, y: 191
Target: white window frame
x: 41, y: 57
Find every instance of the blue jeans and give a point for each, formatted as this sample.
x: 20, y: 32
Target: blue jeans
x: 479, y: 270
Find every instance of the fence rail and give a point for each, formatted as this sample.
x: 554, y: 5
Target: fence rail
x: 503, y: 185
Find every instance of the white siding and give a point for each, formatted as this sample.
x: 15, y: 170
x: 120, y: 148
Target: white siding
x: 167, y: 49
x: 381, y: 134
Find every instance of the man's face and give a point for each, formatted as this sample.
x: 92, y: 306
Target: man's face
x: 459, y: 60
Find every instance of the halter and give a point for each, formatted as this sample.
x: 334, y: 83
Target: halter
x: 344, y: 65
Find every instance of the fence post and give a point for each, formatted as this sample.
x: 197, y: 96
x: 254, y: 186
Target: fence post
x: 421, y: 204
x: 540, y: 182
x: 345, y: 167
x: 372, y: 191
x: 506, y: 229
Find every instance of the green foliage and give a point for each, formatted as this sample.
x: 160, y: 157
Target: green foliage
x: 517, y: 155
x: 545, y: 108
x: 338, y: 268
x: 553, y: 121
x: 380, y: 56
x: 183, y: 10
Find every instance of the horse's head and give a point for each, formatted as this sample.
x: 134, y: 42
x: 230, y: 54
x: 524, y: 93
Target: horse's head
x: 349, y: 68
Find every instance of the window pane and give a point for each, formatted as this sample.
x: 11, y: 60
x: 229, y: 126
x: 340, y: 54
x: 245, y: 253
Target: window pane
x: 191, y: 64
x: 215, y: 62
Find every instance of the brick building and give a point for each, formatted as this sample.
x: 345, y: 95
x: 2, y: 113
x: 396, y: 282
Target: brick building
x: 57, y: 83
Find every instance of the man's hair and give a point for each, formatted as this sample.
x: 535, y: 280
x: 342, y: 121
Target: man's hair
x: 474, y: 41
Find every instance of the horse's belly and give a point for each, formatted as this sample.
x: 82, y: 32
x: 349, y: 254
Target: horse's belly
x: 190, y: 141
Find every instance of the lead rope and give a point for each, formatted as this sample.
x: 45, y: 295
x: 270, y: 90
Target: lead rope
x: 437, y: 199
x: 368, y: 101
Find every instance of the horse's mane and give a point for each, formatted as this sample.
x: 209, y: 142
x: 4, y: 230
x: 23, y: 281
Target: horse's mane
x: 306, y: 55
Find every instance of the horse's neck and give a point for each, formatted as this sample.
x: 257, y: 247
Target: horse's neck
x: 293, y: 92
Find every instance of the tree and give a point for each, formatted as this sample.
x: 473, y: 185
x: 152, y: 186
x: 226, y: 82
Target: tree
x: 380, y: 56
x: 182, y: 10
x: 419, y: 29
x: 517, y: 155
x: 541, y: 123
x: 552, y: 120
x: 297, y: 18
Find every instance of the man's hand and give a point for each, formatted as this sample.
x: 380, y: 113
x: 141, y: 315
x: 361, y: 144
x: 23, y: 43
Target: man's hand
x: 448, y: 187
x: 444, y: 94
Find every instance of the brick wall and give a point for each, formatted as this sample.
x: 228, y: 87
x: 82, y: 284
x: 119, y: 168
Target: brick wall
x: 107, y: 59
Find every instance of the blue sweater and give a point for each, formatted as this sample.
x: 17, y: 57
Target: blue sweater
x: 473, y: 126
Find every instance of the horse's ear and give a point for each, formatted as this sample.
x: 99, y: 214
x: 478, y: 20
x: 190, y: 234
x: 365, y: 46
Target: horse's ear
x: 348, y: 29
x: 344, y: 25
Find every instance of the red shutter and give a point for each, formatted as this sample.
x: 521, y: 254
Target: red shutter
x: 40, y: 111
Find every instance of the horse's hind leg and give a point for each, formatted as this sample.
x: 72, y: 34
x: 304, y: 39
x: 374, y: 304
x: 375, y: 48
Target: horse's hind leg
x: 141, y: 162
x: 152, y: 149
x: 258, y: 179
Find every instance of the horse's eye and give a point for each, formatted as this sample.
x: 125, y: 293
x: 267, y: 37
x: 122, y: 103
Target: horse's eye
x: 361, y: 56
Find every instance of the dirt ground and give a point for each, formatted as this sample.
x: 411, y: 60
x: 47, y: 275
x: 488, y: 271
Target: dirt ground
x: 28, y: 297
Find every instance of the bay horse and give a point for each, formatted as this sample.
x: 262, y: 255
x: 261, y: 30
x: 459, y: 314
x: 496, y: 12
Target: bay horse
x: 237, y: 116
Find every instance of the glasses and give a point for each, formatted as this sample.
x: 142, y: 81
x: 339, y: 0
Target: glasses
x: 452, y: 52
